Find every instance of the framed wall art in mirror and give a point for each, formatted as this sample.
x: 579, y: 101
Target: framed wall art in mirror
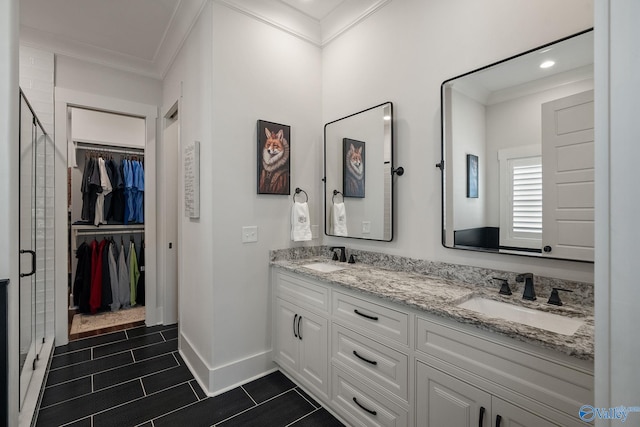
x: 358, y: 159
x: 529, y: 120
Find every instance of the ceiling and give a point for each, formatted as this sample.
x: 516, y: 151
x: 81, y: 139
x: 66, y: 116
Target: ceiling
x: 143, y: 36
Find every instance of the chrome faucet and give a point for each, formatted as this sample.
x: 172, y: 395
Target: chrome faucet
x: 529, y: 291
x: 343, y: 252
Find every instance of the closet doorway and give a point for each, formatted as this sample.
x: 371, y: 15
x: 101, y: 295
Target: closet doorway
x: 107, y: 226
x: 168, y: 214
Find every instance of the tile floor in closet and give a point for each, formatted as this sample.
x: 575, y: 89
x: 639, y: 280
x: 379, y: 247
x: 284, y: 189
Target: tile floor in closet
x: 136, y: 377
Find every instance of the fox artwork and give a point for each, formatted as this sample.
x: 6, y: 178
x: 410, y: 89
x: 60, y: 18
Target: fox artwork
x: 274, y: 165
x: 353, y: 168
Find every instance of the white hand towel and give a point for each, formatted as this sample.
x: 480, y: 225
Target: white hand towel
x: 339, y: 219
x: 300, y: 224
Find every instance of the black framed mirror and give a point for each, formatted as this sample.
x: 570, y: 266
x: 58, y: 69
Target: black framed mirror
x: 517, y: 154
x: 358, y: 159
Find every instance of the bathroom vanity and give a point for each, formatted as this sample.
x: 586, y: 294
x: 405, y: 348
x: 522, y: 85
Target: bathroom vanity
x: 386, y: 343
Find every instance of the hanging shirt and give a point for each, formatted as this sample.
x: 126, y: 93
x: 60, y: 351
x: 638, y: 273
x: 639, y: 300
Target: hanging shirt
x: 107, y: 296
x: 138, y: 191
x: 128, y: 191
x: 105, y: 188
x: 113, y: 275
x: 140, y: 291
x: 124, y: 291
x: 134, y: 273
x: 82, y: 281
x: 95, y: 299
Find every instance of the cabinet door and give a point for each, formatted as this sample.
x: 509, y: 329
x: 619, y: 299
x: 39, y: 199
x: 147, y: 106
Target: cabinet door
x: 313, y: 334
x: 444, y: 401
x: 286, y: 341
x: 514, y: 416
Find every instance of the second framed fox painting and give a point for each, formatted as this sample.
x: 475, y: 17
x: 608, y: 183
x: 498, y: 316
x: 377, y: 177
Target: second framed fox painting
x: 274, y: 163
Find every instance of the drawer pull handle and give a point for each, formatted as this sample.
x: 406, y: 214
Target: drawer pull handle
x: 294, y: 326
x: 498, y: 420
x: 299, y: 331
x: 481, y: 421
x: 365, y: 315
x: 363, y: 408
x: 373, y: 362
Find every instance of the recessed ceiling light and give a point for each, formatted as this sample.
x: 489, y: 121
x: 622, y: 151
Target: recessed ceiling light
x: 547, y: 64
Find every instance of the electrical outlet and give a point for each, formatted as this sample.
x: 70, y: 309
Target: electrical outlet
x: 366, y: 227
x: 250, y: 234
x: 315, y: 230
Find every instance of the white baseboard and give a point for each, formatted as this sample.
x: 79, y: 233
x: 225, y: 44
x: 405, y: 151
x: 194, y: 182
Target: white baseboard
x: 231, y: 375
x: 217, y: 380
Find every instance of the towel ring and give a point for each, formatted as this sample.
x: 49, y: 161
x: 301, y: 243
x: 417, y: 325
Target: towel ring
x: 335, y: 193
x: 298, y: 191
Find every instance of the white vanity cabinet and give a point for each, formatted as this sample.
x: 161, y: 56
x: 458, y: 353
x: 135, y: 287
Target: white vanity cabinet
x: 301, y: 332
x: 379, y: 363
x: 463, y: 369
x: 443, y: 401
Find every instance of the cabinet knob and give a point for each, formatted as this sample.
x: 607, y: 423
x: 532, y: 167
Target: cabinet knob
x: 547, y: 249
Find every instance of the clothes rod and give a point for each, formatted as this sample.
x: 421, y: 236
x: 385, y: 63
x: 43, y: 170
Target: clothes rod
x: 97, y: 232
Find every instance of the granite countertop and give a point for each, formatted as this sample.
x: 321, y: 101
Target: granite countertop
x: 440, y: 297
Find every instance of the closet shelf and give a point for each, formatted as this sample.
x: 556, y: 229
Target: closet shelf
x: 107, y: 147
x: 104, y: 229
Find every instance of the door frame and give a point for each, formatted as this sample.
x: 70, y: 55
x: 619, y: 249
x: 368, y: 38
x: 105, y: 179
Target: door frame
x: 163, y: 250
x: 65, y: 98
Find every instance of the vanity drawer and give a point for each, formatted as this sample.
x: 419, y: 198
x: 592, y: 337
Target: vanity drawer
x: 302, y: 292
x: 378, y: 363
x: 555, y: 381
x: 362, y: 406
x: 368, y: 316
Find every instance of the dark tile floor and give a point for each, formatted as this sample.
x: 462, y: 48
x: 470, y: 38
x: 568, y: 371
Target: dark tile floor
x: 136, y: 377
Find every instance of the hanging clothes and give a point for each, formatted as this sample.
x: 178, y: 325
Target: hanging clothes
x: 138, y: 193
x: 95, y: 300
x: 105, y: 188
x: 118, y: 200
x: 113, y: 276
x: 128, y: 191
x: 140, y: 291
x: 89, y: 188
x: 107, y: 297
x: 124, y: 292
x: 134, y: 273
x: 82, y: 281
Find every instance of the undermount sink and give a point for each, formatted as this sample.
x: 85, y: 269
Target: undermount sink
x: 538, y: 319
x: 324, y: 267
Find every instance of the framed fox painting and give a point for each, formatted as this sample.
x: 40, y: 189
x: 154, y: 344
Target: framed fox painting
x: 274, y: 166
x: 353, y: 168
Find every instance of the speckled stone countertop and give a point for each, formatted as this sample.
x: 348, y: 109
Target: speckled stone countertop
x: 438, y: 295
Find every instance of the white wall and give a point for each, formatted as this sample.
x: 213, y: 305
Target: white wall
x: 9, y: 18
x: 404, y: 52
x: 617, y: 101
x: 88, y: 77
x: 259, y: 72
x: 234, y: 71
x: 468, y: 118
x: 189, y: 81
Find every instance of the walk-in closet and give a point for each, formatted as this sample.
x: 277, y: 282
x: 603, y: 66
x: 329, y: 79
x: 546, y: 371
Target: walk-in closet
x: 106, y: 163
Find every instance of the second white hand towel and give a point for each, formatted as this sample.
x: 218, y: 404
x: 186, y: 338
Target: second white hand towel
x: 300, y: 224
x: 339, y: 218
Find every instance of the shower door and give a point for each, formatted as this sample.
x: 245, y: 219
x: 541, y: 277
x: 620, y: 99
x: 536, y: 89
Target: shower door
x: 33, y: 165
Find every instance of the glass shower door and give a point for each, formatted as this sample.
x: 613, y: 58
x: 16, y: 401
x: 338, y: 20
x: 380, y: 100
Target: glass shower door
x: 28, y: 350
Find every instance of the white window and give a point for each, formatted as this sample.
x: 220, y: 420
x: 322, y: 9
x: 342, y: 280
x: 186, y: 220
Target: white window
x: 521, y: 197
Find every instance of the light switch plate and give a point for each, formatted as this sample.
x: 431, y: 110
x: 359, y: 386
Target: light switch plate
x: 366, y: 227
x: 250, y: 234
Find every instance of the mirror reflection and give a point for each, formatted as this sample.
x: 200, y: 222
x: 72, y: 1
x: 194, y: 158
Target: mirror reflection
x: 518, y: 154
x: 358, y: 159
